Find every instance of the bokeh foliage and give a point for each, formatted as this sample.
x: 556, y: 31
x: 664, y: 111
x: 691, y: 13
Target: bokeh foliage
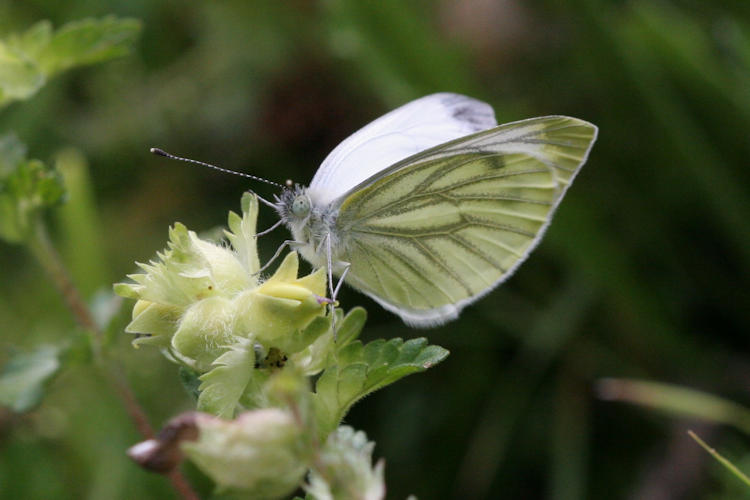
x: 644, y: 272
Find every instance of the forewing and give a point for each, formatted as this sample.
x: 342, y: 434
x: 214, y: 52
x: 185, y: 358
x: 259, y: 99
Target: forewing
x: 438, y: 230
x: 405, y: 131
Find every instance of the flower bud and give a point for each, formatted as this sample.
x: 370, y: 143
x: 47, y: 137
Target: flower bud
x: 260, y: 452
x: 204, y: 331
x: 348, y: 473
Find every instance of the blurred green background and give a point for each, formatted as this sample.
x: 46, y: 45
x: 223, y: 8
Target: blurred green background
x: 645, y: 272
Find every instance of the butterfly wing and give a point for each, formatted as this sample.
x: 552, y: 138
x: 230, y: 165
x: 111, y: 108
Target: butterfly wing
x: 436, y: 231
x: 414, y: 127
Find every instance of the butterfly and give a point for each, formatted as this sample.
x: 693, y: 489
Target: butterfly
x: 433, y: 205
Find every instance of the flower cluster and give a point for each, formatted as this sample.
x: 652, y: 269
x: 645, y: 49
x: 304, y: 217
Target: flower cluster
x: 254, y: 345
x: 199, y: 298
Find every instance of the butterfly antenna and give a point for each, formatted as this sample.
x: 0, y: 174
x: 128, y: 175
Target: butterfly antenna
x: 161, y: 152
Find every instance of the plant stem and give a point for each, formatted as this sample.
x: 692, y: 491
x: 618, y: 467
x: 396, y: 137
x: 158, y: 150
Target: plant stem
x: 180, y: 484
x: 723, y: 461
x: 42, y: 248
x: 317, y: 462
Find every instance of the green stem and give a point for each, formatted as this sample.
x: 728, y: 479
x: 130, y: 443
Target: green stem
x: 42, y: 248
x: 316, y: 461
x: 723, y: 461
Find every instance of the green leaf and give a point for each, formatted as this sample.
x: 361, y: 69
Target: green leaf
x: 28, y: 59
x: 318, y: 337
x: 25, y: 376
x: 223, y: 386
x: 88, y: 41
x: 364, y: 369
x: 33, y: 40
x: 20, y: 78
x: 351, y: 326
x: 26, y: 187
x: 305, y: 337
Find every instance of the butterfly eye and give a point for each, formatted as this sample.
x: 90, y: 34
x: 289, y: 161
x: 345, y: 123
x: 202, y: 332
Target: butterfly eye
x: 301, y: 206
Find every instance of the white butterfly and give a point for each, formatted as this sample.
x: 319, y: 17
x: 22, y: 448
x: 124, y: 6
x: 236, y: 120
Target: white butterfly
x: 433, y: 205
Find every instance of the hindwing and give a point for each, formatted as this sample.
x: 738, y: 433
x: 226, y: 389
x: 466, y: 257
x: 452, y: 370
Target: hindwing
x: 438, y: 230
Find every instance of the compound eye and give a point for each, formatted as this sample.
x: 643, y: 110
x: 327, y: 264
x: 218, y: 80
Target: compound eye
x: 301, y: 206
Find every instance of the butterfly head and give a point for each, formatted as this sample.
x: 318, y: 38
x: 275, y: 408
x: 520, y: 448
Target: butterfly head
x: 301, y: 206
x: 294, y: 205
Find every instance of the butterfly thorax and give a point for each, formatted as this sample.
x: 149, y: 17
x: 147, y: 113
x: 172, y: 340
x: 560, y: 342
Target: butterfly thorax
x: 310, y: 225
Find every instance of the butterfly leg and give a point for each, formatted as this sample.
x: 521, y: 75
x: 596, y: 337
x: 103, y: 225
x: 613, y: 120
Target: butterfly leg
x: 333, y: 291
x: 329, y: 262
x: 289, y: 243
x: 347, y: 266
x: 263, y: 233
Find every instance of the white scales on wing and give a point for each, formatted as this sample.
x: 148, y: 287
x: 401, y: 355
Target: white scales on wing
x: 405, y: 131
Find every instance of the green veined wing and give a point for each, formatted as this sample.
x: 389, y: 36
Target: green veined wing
x: 438, y: 230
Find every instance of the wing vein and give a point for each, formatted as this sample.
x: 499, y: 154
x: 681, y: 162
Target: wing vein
x: 471, y: 249
x: 427, y: 253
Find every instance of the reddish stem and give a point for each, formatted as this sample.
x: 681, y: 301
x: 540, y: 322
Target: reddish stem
x: 45, y: 252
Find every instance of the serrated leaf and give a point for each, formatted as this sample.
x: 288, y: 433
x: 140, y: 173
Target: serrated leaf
x: 27, y: 60
x: 223, y: 386
x: 362, y: 369
x: 88, y: 41
x: 33, y: 40
x: 26, y: 187
x: 25, y: 376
